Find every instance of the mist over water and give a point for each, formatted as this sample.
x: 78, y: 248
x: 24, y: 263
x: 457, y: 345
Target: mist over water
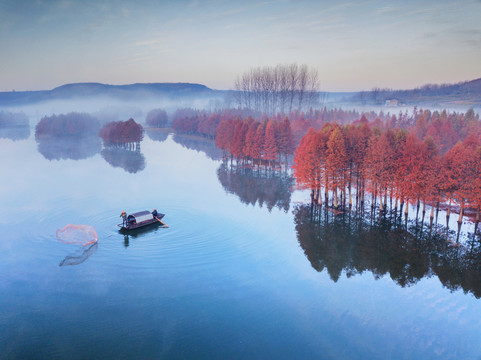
x: 245, y: 269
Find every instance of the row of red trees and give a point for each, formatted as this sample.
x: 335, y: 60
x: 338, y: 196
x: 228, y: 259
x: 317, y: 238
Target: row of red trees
x: 388, y: 163
x: 255, y: 141
x: 199, y: 122
x: 445, y: 128
x: 204, y: 123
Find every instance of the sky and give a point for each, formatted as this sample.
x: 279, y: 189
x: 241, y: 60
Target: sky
x: 354, y: 45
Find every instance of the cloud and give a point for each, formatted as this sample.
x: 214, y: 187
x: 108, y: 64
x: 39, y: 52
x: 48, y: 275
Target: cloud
x: 193, y: 4
x: 469, y: 36
x: 388, y: 10
x: 149, y: 42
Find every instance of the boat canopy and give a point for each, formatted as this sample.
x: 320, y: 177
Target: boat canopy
x: 142, y: 216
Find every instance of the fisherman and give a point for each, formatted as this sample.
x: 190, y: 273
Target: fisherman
x: 154, y: 213
x: 123, y: 215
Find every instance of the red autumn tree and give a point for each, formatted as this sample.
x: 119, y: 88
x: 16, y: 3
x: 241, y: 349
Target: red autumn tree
x: 270, y: 145
x: 306, y: 162
x: 337, y: 161
x: 379, y: 165
x: 224, y: 136
x: 285, y: 138
x: 250, y: 142
x: 258, y: 147
x: 238, y: 139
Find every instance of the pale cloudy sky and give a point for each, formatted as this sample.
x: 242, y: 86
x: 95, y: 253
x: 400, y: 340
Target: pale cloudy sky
x: 354, y: 45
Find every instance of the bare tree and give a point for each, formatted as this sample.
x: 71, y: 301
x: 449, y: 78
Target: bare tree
x: 278, y: 89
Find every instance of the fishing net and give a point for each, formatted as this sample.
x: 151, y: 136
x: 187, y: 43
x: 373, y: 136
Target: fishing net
x: 77, y: 234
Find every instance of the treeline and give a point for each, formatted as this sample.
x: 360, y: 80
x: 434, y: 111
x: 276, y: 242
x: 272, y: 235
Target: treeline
x: 191, y: 121
x: 446, y: 129
x: 67, y: 125
x: 123, y: 133
x: 467, y: 90
x: 156, y: 118
x: 204, y: 123
x: 238, y: 134
x: 406, y: 165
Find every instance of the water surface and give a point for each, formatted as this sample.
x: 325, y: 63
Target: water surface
x: 242, y: 272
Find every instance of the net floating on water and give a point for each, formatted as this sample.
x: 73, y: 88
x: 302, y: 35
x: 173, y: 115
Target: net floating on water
x: 77, y: 234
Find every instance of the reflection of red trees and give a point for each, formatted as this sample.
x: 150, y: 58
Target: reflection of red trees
x: 72, y: 124
x: 122, y: 132
x: 8, y: 119
x: 156, y: 118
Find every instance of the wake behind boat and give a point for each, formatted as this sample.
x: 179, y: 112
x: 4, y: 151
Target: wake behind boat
x: 140, y: 219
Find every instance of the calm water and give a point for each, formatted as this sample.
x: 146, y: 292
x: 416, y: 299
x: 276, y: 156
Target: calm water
x: 244, y: 271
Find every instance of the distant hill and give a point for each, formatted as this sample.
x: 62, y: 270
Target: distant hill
x: 463, y: 93
x: 120, y: 92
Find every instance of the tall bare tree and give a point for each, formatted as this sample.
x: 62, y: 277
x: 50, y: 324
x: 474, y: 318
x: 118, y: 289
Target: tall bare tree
x: 278, y: 89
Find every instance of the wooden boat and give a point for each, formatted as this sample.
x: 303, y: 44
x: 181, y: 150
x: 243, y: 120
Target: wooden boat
x: 141, y: 219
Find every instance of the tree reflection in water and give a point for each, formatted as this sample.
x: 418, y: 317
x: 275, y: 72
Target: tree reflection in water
x: 354, y: 244
x: 157, y: 134
x: 14, y: 132
x: 14, y: 126
x: 252, y: 186
x: 199, y: 143
x: 128, y: 158
x: 68, y: 147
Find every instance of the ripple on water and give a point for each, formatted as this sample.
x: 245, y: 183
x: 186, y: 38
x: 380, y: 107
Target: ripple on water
x: 193, y: 240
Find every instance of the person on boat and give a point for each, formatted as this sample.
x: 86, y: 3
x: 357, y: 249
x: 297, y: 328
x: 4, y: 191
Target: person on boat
x: 123, y: 215
x: 154, y: 213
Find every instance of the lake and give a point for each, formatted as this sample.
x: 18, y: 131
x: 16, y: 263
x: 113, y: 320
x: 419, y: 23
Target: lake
x: 246, y: 269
